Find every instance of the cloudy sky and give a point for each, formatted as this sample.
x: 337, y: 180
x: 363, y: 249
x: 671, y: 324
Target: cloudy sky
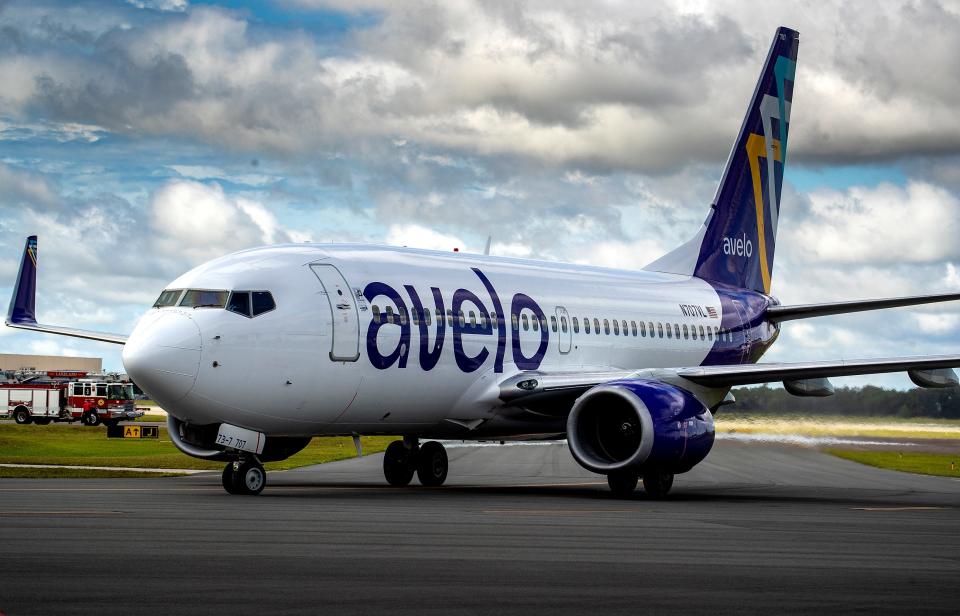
x: 141, y: 138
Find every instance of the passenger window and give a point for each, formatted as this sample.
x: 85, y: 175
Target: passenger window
x: 686, y: 332
x: 389, y: 314
x: 616, y: 328
x: 494, y: 321
x: 449, y: 317
x: 402, y: 313
x: 535, y: 322
x: 426, y: 317
x: 526, y: 322
x: 702, y: 337
x: 576, y: 325
x: 262, y: 302
x: 643, y: 330
x: 710, y: 334
x: 669, y: 331
x: 553, y: 323
x: 693, y: 332
x: 676, y: 330
x: 513, y: 319
x: 376, y: 313
x: 606, y: 326
x: 461, y: 318
x: 633, y: 328
x: 596, y: 325
x: 240, y: 303
x: 586, y: 325
x: 473, y: 319
x: 415, y: 316
x: 563, y: 324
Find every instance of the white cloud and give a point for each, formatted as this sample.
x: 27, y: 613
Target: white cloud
x: 881, y: 224
x: 200, y: 221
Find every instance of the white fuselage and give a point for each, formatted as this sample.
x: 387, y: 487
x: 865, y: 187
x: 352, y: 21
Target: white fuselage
x: 322, y: 363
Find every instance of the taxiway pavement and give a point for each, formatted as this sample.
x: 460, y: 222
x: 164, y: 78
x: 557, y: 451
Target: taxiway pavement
x: 756, y: 528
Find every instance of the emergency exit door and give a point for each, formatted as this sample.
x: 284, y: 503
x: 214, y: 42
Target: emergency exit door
x: 345, y: 344
x: 564, y: 330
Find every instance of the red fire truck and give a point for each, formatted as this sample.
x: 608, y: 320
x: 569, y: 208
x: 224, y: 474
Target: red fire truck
x: 90, y: 401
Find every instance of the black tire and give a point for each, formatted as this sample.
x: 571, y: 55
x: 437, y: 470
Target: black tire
x: 657, y: 483
x: 91, y: 419
x: 249, y: 479
x: 622, y: 483
x: 42, y: 421
x: 398, y: 464
x: 227, y: 479
x: 432, y: 464
x: 22, y: 416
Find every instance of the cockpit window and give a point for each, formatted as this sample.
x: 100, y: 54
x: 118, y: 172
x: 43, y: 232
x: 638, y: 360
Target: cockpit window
x: 240, y: 303
x: 204, y: 298
x: 168, y: 298
x: 263, y: 302
x: 254, y: 303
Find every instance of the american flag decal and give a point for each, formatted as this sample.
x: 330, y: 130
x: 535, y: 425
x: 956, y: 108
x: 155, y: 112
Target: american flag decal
x: 712, y: 312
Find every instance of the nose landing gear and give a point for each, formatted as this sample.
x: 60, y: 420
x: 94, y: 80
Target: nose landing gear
x: 245, y: 476
x: 404, y: 458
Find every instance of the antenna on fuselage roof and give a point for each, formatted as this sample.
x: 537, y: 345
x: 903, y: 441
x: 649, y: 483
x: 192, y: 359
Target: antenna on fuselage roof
x: 486, y: 251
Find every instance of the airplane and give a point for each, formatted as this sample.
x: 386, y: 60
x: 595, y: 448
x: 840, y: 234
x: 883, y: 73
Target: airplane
x: 254, y: 353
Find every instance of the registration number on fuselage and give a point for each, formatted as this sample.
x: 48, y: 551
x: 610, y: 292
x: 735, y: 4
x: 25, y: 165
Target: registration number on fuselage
x: 235, y: 437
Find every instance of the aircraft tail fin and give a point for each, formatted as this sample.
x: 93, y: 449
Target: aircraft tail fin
x: 735, y: 245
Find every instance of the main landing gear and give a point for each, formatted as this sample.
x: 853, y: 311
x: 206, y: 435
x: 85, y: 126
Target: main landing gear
x: 656, y: 483
x: 245, y: 476
x: 404, y: 458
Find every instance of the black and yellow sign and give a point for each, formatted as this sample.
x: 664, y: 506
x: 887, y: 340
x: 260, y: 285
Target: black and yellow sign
x: 133, y: 431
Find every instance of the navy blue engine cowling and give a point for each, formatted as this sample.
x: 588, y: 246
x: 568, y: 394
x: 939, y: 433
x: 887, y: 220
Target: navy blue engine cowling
x: 636, y: 424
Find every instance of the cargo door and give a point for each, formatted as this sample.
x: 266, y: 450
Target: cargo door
x: 345, y: 344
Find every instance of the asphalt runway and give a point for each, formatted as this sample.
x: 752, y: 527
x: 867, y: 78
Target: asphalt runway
x: 518, y: 529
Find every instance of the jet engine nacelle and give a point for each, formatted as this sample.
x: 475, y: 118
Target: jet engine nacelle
x: 639, y: 424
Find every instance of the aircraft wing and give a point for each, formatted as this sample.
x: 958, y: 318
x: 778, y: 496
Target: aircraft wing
x: 807, y: 311
x: 22, y: 311
x: 546, y: 386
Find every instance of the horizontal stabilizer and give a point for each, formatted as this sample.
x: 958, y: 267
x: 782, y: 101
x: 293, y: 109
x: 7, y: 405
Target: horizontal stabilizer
x: 807, y: 311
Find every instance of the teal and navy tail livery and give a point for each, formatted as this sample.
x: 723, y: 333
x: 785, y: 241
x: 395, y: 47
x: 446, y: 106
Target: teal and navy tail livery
x: 736, y: 244
x: 254, y: 353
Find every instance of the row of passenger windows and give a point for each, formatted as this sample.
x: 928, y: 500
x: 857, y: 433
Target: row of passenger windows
x: 617, y: 327
x: 247, y: 303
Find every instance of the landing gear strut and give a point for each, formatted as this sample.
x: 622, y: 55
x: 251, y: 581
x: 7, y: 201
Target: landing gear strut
x: 404, y: 458
x: 244, y: 477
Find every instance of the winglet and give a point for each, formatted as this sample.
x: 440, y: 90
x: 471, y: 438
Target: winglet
x: 22, y: 313
x: 23, y: 303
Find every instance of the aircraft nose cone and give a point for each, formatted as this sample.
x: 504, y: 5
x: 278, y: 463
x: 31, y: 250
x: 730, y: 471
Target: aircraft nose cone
x: 162, y: 355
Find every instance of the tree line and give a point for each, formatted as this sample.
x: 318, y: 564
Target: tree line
x: 868, y: 401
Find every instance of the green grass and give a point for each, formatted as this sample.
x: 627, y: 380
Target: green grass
x: 73, y: 473
x: 945, y: 465
x: 76, y: 445
x: 886, y: 427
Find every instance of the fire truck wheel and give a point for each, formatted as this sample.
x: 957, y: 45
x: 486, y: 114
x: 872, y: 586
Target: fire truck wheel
x: 91, y: 419
x: 227, y: 479
x: 250, y: 478
x: 22, y: 416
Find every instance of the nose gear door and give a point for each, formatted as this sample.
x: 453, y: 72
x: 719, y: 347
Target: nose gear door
x: 345, y: 345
